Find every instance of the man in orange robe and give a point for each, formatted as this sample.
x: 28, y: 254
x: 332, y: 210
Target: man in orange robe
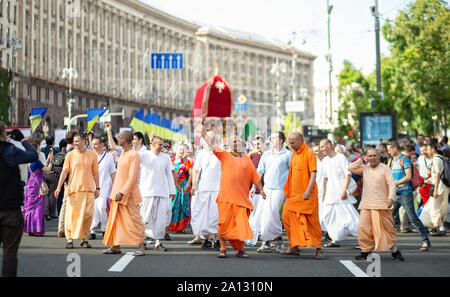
x: 237, y: 172
x: 125, y: 226
x: 301, y: 210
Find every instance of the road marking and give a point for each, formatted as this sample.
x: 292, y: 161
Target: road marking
x: 120, y: 265
x: 353, y: 268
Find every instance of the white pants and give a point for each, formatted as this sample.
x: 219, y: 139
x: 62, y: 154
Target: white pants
x: 339, y: 219
x: 204, y: 213
x: 156, y: 213
x: 265, y: 220
x: 100, y: 215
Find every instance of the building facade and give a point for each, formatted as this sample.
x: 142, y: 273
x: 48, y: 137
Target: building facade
x: 109, y: 43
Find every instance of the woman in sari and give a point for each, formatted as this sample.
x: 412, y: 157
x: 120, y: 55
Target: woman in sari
x: 181, y: 211
x: 34, y: 202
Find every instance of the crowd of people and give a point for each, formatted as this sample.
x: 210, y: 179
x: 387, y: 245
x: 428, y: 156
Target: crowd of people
x: 225, y: 190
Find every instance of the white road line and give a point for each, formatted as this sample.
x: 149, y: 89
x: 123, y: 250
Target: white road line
x: 353, y: 268
x: 120, y: 265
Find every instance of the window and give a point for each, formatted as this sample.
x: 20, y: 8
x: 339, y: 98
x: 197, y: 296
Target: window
x: 1, y: 8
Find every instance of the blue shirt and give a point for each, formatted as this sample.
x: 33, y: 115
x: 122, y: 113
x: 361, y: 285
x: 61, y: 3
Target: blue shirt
x: 275, y: 168
x: 399, y: 172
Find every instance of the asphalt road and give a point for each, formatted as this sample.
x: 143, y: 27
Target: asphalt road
x: 47, y: 257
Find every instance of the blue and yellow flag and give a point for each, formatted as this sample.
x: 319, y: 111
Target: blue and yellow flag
x: 37, y: 115
x: 93, y: 116
x: 137, y: 123
x: 148, y: 123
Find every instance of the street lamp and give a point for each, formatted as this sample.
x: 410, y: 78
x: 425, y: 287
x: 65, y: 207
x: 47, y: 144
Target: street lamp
x: 70, y: 73
x: 15, y: 46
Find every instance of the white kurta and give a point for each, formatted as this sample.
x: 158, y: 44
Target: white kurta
x: 319, y: 182
x: 156, y: 185
x: 106, y: 166
x: 338, y: 216
x: 204, y: 210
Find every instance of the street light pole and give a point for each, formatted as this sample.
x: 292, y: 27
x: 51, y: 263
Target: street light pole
x: 375, y: 13
x: 294, y: 62
x: 330, y: 91
x: 70, y: 73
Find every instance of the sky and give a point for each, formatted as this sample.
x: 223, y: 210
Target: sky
x: 352, y: 25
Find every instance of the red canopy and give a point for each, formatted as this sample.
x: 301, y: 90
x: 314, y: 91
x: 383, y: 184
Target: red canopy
x: 213, y: 99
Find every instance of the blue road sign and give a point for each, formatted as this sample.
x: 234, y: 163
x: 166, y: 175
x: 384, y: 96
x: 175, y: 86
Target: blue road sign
x: 167, y: 61
x: 241, y: 107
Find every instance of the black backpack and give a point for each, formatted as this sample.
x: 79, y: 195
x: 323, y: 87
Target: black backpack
x: 445, y: 175
x: 58, y: 162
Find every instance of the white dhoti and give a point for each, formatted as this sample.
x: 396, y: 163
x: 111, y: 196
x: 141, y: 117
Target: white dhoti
x: 266, y: 221
x: 204, y: 213
x: 339, y: 219
x: 100, y: 215
x: 255, y: 217
x: 156, y: 213
x: 435, y: 211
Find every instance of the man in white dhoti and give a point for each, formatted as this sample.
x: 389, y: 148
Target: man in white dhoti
x: 205, y: 189
x: 107, y: 172
x: 157, y: 187
x: 319, y: 180
x: 266, y: 221
x: 338, y: 215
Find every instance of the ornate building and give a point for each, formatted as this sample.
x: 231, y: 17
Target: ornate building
x: 109, y: 43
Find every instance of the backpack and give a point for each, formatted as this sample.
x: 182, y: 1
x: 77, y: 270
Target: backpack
x: 445, y: 175
x: 415, y: 176
x: 58, y: 162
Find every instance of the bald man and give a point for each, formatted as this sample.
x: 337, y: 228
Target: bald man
x: 301, y: 210
x: 125, y: 226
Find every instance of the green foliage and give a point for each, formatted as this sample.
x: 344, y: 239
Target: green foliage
x: 289, y: 123
x: 415, y: 77
x: 5, y: 99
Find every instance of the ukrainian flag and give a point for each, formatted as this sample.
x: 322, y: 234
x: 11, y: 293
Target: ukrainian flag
x: 93, y: 116
x: 137, y: 123
x: 36, y: 117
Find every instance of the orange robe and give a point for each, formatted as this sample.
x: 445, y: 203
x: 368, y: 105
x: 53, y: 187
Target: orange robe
x: 81, y: 167
x: 125, y: 226
x: 301, y: 217
x: 233, y: 202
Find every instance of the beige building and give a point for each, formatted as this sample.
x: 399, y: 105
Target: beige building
x: 110, y: 42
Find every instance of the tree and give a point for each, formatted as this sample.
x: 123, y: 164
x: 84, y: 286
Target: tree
x: 5, y: 99
x: 420, y: 46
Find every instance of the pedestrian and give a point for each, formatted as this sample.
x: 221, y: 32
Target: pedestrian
x: 376, y: 231
x: 11, y: 200
x: 319, y: 181
x: 425, y: 161
x: 274, y: 166
x: 237, y: 172
x: 139, y: 142
x: 437, y: 206
x: 384, y: 155
x: 402, y: 172
x: 181, y: 205
x: 58, y: 165
x: 81, y: 165
x: 205, y: 189
x: 34, y: 202
x: 125, y: 226
x: 301, y: 209
x: 338, y: 214
x: 107, y: 173
x: 255, y: 196
x: 157, y: 189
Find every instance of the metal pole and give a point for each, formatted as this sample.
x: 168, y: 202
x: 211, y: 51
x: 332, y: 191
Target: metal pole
x: 377, y: 44
x: 329, y: 8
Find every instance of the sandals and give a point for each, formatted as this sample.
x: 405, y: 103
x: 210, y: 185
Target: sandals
x: 139, y: 253
x: 332, y: 244
x: 319, y: 255
x: 222, y: 254
x: 425, y: 247
x: 85, y: 244
x: 195, y: 241
x: 242, y: 254
x: 69, y: 245
x: 292, y: 252
x: 110, y: 251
